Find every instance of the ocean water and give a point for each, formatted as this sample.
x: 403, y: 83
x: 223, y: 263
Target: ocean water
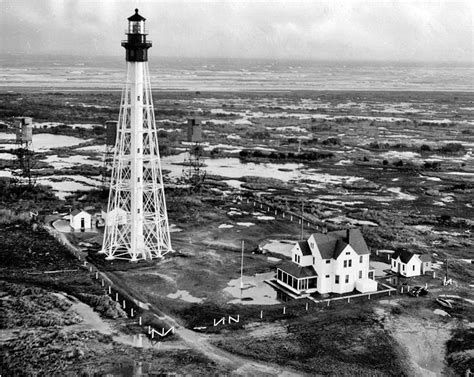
x: 75, y: 72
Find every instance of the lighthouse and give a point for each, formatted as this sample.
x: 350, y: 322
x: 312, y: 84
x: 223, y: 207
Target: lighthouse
x: 136, y: 221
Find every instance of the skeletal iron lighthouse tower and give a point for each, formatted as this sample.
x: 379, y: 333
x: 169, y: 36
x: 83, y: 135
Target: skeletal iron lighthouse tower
x: 137, y: 222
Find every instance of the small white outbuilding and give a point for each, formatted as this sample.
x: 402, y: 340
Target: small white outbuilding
x: 80, y: 219
x: 366, y: 285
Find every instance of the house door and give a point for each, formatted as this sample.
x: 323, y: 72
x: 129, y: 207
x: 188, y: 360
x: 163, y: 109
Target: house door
x: 83, y: 222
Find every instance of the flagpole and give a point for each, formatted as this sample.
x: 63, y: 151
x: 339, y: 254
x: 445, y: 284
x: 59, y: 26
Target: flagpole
x: 242, y: 270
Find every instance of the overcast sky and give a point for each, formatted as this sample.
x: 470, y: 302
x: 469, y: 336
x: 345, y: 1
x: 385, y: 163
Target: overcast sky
x: 408, y: 30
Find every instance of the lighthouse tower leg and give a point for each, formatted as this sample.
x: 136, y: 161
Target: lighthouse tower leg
x: 137, y: 222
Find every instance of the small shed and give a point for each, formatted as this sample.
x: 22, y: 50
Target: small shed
x: 80, y: 219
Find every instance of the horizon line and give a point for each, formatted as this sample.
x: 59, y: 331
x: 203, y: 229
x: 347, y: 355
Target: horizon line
x: 301, y: 59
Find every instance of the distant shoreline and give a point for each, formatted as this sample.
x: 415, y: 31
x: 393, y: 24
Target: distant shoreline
x: 34, y: 89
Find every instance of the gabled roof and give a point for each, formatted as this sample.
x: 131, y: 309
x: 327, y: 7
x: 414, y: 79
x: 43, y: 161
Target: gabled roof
x: 136, y: 17
x: 78, y: 211
x: 305, y: 249
x: 297, y: 271
x: 404, y: 255
x: 332, y: 244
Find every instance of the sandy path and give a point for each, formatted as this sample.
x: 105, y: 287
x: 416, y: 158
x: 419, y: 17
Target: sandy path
x: 424, y: 341
x: 239, y: 365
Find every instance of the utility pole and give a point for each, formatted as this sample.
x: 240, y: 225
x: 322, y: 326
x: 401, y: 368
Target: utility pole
x: 302, y: 222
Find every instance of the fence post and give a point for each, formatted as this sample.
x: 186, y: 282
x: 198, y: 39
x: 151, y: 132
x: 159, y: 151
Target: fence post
x: 348, y: 299
x: 85, y: 263
x: 110, y: 290
x: 102, y: 282
x: 283, y: 214
x: 96, y: 275
x: 328, y: 302
x: 116, y: 296
x: 131, y: 312
x: 261, y: 314
x: 291, y: 218
x: 369, y: 296
x: 284, y: 310
x: 306, y: 306
x: 123, y: 304
x: 140, y: 320
x: 149, y: 328
x: 90, y: 268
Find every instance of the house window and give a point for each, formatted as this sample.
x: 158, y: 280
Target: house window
x: 348, y: 253
x: 345, y: 264
x: 350, y: 262
x: 314, y: 260
x: 328, y: 261
x: 327, y: 276
x: 360, y: 274
x: 403, y: 267
x: 347, y: 279
x: 304, y: 284
x: 337, y: 279
x: 413, y: 267
x: 311, y: 245
x: 360, y: 259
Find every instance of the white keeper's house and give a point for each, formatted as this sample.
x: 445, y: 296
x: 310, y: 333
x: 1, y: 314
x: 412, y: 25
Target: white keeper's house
x: 334, y: 262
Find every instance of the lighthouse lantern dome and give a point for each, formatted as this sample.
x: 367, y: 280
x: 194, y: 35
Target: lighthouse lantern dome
x: 136, y: 24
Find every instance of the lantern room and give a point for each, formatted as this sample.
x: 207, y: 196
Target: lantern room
x: 136, y: 24
x: 136, y: 45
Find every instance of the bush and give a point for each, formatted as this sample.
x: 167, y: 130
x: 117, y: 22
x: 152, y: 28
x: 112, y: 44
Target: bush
x: 452, y: 148
x: 425, y: 148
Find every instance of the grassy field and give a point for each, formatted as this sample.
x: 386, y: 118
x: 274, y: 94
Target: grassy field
x: 410, y: 202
